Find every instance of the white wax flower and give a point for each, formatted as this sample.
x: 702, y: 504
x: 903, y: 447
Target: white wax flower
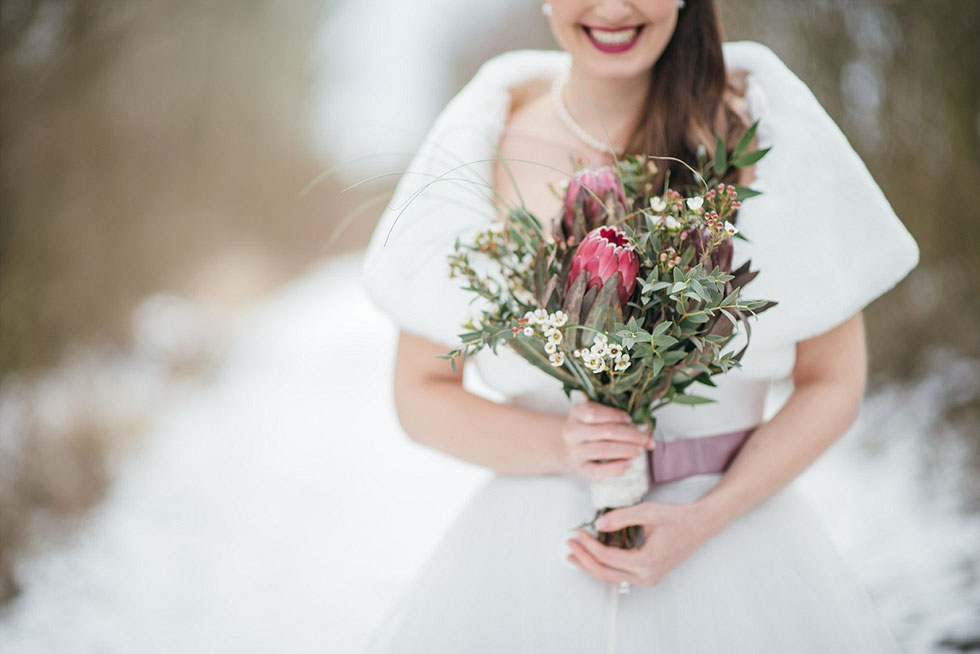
x: 730, y: 229
x: 695, y: 203
x: 657, y: 203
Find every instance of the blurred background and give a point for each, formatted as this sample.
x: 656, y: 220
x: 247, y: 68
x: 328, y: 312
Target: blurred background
x: 180, y: 316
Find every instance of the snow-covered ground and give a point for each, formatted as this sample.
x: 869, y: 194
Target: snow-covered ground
x: 265, y: 510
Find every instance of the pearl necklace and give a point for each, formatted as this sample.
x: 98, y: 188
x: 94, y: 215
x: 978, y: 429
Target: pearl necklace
x: 556, y: 99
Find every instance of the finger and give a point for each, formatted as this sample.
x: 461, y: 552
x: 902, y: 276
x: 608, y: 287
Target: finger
x: 597, y: 450
x: 610, y: 431
x: 643, y: 513
x: 595, y: 569
x: 593, y: 412
x: 612, y: 557
x: 593, y: 470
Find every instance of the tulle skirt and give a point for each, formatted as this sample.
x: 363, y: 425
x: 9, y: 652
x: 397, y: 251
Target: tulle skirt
x: 498, y: 582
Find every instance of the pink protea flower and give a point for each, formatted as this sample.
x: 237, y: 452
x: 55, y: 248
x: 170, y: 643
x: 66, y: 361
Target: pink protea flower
x: 603, y: 252
x: 604, y: 186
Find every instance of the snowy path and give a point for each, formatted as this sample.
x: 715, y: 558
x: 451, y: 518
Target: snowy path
x: 257, y: 515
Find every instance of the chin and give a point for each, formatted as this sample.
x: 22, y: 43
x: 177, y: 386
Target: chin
x: 620, y: 70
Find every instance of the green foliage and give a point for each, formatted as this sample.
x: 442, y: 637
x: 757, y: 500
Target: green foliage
x: 677, y: 326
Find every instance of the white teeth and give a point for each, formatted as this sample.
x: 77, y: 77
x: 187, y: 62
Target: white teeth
x: 613, y: 38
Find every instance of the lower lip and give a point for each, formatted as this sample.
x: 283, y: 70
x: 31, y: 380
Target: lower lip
x: 612, y: 49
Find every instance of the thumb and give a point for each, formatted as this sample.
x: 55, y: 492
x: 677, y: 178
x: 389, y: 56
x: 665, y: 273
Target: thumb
x: 638, y: 514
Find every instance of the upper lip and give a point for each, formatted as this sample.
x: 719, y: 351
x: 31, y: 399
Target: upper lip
x: 613, y: 29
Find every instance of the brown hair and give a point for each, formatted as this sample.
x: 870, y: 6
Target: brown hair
x: 685, y: 105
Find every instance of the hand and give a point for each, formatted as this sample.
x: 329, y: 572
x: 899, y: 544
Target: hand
x: 601, y: 440
x: 671, y: 533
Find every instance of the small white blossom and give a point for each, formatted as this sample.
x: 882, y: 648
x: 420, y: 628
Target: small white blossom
x: 540, y: 315
x: 600, y: 339
x: 730, y: 229
x: 577, y: 353
x: 561, y: 318
x: 622, y: 362
x: 551, y: 347
x: 557, y: 359
x: 615, y: 351
x: 529, y: 331
x: 529, y: 317
x: 657, y: 203
x: 695, y: 203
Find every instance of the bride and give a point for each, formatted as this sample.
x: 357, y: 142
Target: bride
x: 732, y: 560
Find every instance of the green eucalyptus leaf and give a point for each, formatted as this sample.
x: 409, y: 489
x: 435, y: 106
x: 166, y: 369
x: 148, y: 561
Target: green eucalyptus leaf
x: 721, y: 156
x: 750, y: 158
x: 744, y: 193
x: 745, y: 140
x: 684, y: 398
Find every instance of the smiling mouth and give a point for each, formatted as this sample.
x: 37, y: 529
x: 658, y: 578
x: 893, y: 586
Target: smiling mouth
x: 613, y: 40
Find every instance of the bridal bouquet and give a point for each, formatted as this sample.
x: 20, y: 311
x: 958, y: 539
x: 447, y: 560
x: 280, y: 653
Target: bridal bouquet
x: 630, y: 300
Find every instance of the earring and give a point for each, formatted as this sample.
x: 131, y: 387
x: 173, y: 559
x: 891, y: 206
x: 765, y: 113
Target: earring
x: 546, y: 8
x: 681, y: 4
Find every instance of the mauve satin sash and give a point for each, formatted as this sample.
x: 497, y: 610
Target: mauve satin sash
x: 694, y: 456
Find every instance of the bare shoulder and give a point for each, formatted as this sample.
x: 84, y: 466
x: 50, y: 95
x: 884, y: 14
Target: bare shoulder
x: 531, y: 127
x: 534, y: 151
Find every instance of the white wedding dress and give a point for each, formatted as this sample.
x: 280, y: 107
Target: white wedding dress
x: 771, y: 581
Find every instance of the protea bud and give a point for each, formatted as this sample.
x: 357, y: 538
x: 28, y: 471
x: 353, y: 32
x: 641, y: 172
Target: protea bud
x: 594, y: 194
x: 603, y: 252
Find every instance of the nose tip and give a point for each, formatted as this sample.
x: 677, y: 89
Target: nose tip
x: 614, y: 11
